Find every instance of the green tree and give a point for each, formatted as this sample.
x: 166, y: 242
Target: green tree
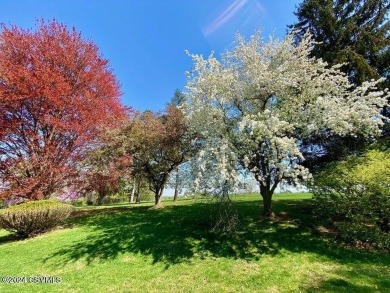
x: 178, y: 99
x: 156, y: 143
x: 354, y: 32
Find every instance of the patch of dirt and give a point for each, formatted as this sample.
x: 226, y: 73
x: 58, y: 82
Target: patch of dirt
x: 157, y: 207
x: 325, y: 230
x: 281, y: 217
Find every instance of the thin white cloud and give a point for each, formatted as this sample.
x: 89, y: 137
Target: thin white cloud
x: 253, y: 13
x: 260, y: 8
x: 224, y: 17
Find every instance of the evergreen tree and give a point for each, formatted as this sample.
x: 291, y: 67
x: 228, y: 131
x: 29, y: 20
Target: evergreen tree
x: 178, y: 99
x: 354, y: 32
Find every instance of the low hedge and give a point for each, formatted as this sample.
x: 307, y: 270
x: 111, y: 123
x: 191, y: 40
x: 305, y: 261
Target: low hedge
x: 34, y: 217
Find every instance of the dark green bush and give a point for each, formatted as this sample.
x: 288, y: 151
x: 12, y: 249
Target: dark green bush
x: 354, y: 197
x: 34, y: 217
x: 362, y: 234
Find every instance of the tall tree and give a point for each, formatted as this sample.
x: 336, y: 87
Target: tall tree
x: 255, y: 106
x: 156, y: 142
x: 179, y: 180
x: 354, y: 32
x: 56, y: 92
x: 178, y: 99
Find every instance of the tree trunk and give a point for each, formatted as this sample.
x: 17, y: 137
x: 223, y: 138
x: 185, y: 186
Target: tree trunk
x: 176, y: 195
x: 132, y: 192
x: 101, y: 195
x: 266, y: 194
x: 138, y: 197
x: 157, y: 198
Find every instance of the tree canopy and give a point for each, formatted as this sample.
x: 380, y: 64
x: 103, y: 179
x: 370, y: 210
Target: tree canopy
x: 157, y: 144
x: 352, y: 32
x: 56, y: 92
x: 255, y: 106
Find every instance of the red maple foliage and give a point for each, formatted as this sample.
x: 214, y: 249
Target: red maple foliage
x: 56, y: 93
x: 106, y: 178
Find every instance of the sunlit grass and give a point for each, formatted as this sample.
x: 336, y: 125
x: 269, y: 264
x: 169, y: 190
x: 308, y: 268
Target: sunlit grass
x: 130, y: 248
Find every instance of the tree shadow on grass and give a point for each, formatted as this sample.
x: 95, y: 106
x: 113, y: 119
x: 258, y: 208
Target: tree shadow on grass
x: 178, y: 233
x: 339, y: 284
x: 8, y: 238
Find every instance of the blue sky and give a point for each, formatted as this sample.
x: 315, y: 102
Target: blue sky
x: 145, y: 40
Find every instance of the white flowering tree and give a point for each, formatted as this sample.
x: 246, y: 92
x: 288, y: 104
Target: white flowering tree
x: 255, y: 105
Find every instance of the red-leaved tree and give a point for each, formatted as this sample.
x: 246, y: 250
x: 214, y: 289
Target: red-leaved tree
x: 56, y: 93
x: 104, y: 175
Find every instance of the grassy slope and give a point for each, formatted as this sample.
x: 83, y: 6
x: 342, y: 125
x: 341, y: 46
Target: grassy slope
x: 133, y: 249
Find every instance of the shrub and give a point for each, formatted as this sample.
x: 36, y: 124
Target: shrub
x: 34, y: 217
x: 354, y: 196
x: 109, y: 199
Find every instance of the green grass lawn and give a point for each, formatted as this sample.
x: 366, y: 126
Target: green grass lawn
x: 130, y: 248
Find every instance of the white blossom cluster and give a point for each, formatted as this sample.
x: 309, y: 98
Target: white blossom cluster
x: 269, y: 150
x: 216, y: 165
x: 254, y: 106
